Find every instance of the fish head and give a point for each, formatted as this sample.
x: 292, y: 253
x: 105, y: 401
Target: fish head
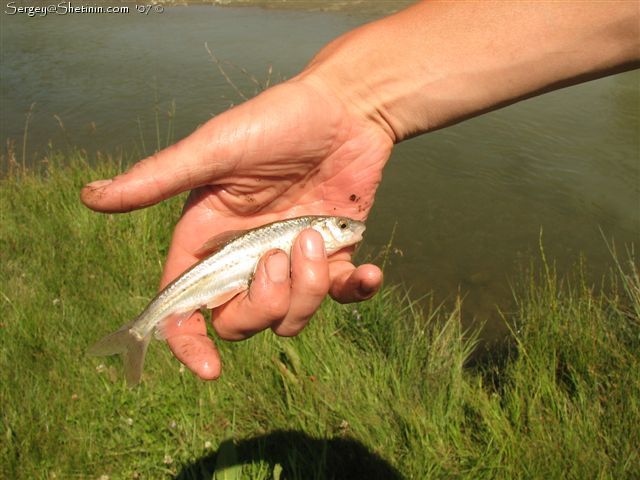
x: 339, y: 232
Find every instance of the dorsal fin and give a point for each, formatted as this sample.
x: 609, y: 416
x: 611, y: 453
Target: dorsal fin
x: 216, y: 242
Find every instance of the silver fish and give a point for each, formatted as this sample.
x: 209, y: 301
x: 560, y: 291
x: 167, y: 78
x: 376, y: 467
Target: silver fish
x: 216, y: 279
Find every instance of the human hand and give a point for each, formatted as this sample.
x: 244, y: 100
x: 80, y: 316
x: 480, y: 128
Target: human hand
x: 293, y: 150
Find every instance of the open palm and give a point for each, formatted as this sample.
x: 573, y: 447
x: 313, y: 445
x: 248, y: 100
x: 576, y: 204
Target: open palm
x: 290, y: 151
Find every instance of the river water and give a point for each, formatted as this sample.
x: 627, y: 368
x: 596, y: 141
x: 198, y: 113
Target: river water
x: 469, y: 203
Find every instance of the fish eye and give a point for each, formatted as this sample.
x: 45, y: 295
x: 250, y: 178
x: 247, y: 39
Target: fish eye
x: 343, y: 225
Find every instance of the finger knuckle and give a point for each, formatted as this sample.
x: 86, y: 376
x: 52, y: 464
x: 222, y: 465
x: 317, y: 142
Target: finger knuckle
x: 288, y: 330
x: 313, y: 285
x: 228, y: 334
x: 315, y: 290
x: 274, y: 308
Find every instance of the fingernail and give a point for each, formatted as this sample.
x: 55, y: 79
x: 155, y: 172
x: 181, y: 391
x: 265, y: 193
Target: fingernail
x: 313, y: 247
x: 99, y: 184
x: 278, y: 267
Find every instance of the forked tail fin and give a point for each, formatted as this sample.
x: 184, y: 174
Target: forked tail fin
x: 131, y: 346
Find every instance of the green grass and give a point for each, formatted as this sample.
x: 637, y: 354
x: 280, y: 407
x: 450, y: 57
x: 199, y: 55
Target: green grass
x: 377, y: 390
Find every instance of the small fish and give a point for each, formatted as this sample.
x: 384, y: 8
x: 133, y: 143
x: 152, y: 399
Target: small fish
x: 227, y: 271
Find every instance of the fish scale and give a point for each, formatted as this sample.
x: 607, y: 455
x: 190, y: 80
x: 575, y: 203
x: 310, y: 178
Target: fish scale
x: 216, y: 279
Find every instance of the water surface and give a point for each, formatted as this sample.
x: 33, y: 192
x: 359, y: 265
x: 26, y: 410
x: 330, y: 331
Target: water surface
x: 470, y: 202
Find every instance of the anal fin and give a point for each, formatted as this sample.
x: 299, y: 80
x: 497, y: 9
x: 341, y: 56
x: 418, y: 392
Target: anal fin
x: 224, y: 297
x: 162, y: 330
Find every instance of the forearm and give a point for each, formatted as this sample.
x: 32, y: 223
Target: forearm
x: 438, y: 63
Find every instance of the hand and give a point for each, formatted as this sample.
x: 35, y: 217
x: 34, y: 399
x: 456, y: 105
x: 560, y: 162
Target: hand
x: 293, y: 150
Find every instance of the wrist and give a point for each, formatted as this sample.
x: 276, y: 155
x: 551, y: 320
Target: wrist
x: 438, y: 63
x: 347, y: 69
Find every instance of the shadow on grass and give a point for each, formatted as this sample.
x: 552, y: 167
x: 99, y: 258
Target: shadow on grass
x: 296, y: 455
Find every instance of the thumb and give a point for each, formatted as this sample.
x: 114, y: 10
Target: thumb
x: 178, y: 168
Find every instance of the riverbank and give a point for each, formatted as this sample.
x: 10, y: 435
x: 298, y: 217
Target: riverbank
x: 375, y: 390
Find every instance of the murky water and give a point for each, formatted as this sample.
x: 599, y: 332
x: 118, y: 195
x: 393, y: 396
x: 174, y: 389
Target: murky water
x: 470, y: 201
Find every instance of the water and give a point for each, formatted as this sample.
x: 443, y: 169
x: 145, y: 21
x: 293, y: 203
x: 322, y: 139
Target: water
x: 102, y: 74
x: 470, y: 202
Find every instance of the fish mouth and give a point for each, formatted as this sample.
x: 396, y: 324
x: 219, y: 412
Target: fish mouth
x: 358, y: 230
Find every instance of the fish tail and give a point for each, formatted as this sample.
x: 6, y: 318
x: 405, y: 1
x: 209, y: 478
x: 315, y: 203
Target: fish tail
x: 131, y: 346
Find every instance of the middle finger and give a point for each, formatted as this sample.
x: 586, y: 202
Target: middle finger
x: 309, y: 282
x: 265, y: 303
